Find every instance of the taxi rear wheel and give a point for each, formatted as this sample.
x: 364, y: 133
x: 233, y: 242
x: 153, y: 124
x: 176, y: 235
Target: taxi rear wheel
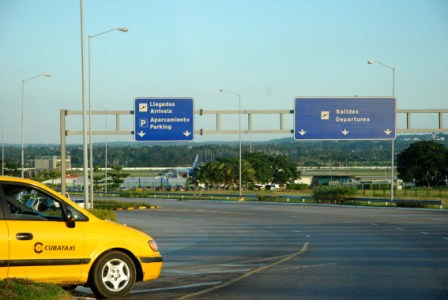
x: 113, y: 275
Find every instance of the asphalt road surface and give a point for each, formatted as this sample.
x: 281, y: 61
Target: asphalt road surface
x: 251, y: 250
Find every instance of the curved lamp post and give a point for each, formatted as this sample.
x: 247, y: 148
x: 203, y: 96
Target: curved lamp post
x: 239, y: 134
x: 122, y: 29
x: 21, y: 127
x: 370, y: 62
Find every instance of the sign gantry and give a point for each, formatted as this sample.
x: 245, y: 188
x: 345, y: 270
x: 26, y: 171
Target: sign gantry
x: 179, y: 131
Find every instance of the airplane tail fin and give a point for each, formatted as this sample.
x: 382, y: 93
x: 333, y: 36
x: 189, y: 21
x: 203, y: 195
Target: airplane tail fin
x: 194, y: 166
x: 196, y: 162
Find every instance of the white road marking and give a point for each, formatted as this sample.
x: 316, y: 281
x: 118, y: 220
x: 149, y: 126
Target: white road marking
x: 305, y: 266
x: 248, y: 274
x: 194, y: 285
x: 199, y: 272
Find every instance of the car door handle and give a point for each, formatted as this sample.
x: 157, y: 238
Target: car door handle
x: 24, y: 236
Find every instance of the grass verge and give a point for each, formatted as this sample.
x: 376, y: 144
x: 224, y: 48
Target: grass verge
x: 23, y: 289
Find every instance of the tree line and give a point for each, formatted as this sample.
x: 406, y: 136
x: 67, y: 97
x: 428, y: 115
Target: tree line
x: 303, y: 153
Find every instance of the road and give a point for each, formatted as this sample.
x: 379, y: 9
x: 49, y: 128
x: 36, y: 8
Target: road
x: 250, y: 250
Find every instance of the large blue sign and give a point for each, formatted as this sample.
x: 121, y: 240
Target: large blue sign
x: 345, y: 118
x: 163, y: 119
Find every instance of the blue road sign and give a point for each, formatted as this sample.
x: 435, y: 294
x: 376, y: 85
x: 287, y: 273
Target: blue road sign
x: 345, y: 118
x: 163, y: 119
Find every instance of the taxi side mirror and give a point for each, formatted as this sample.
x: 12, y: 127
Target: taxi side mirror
x: 70, y: 219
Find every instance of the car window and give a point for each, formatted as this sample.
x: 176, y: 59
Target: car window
x: 28, y: 203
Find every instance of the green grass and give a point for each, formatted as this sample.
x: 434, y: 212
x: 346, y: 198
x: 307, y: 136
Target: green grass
x: 113, y: 204
x: 407, y: 194
x: 296, y: 197
x: 23, y: 289
x: 104, y: 209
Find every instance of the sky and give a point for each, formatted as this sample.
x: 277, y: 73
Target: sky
x: 268, y: 51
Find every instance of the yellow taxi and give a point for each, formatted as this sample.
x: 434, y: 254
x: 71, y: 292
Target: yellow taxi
x: 46, y: 237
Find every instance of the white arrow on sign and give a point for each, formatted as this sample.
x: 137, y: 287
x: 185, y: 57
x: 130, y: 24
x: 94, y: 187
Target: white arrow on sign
x: 345, y: 132
x: 302, y: 132
x: 186, y: 133
x: 141, y: 134
x: 388, y: 131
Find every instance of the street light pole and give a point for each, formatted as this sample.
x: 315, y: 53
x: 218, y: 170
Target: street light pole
x: 84, y: 113
x: 122, y: 29
x: 3, y: 151
x: 392, y: 179
x: 105, y: 155
x: 105, y: 162
x: 239, y: 134
x: 21, y: 127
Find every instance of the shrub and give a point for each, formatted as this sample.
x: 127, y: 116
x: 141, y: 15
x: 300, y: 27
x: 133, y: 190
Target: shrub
x: 298, y: 186
x: 134, y: 194
x: 410, y: 203
x: 104, y: 214
x: 332, y: 194
x: 262, y: 198
x: 104, y: 209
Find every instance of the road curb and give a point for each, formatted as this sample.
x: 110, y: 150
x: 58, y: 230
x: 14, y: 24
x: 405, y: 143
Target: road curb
x: 138, y: 207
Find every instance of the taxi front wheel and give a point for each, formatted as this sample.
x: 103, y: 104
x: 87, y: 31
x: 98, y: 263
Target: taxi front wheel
x: 112, y: 275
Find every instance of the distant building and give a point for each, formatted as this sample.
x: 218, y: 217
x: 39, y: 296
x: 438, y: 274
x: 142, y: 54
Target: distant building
x: 332, y: 180
x: 51, y: 163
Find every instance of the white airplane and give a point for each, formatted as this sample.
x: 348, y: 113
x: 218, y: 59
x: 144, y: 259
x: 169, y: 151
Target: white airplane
x: 183, y: 172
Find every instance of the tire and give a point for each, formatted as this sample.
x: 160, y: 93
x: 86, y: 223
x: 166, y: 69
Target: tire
x: 112, y: 275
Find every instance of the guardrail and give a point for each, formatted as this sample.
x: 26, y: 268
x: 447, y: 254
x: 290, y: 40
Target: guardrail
x: 272, y: 198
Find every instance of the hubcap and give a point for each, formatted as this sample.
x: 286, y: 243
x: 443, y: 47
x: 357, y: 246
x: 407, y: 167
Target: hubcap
x: 115, y: 275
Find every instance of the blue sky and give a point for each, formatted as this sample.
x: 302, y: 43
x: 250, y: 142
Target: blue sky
x: 267, y: 51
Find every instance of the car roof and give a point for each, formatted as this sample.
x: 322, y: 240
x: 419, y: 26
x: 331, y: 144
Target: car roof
x: 26, y: 181
x: 17, y: 179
